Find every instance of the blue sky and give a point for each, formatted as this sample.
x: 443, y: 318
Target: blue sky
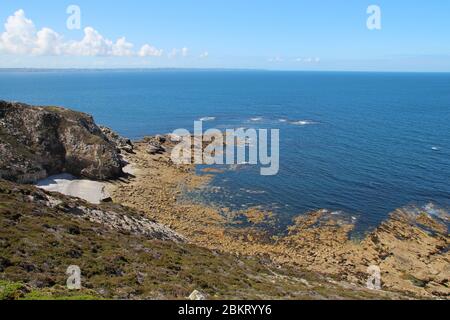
x: 268, y: 34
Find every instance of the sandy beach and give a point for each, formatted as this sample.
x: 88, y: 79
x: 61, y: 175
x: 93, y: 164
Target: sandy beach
x: 91, y: 191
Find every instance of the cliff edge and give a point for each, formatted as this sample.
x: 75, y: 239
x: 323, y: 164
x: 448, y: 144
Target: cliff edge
x: 36, y: 142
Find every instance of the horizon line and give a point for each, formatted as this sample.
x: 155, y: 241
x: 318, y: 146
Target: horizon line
x: 42, y: 69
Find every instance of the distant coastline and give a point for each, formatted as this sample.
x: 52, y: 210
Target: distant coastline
x: 180, y: 69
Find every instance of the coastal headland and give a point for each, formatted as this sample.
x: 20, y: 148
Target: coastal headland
x: 145, y: 240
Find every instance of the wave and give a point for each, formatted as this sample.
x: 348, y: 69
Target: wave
x: 303, y: 122
x: 207, y: 119
x: 252, y: 191
x: 256, y: 119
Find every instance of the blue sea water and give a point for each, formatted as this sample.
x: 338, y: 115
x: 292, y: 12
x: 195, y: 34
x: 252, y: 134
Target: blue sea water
x: 363, y: 143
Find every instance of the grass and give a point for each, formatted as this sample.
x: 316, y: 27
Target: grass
x: 38, y: 243
x: 11, y: 290
x: 19, y: 291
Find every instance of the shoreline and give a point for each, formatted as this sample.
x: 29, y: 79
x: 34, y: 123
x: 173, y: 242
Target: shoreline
x: 147, y: 201
x: 148, y: 204
x: 402, y: 246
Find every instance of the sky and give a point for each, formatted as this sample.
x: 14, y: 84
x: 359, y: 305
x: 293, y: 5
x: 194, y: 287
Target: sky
x: 333, y: 35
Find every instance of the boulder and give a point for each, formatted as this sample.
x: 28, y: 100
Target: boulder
x: 155, y: 149
x: 155, y: 144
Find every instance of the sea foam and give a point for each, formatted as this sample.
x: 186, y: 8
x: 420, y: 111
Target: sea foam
x: 207, y: 119
x: 303, y: 122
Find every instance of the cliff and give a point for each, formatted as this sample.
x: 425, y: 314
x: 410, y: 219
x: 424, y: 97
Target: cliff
x: 36, y: 142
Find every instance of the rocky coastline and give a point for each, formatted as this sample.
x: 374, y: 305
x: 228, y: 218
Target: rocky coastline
x: 410, y: 248
x: 148, y: 242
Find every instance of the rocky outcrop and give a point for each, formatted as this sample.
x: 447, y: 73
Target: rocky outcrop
x: 123, y: 144
x: 411, y: 249
x: 111, y: 216
x: 36, y: 142
x: 156, y: 144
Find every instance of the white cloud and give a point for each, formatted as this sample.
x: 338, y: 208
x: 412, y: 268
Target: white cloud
x: 94, y: 44
x: 48, y: 42
x: 21, y: 37
x: 149, y: 51
x: 20, y: 34
x: 308, y: 60
x: 184, y: 52
x: 122, y: 48
x: 204, y: 55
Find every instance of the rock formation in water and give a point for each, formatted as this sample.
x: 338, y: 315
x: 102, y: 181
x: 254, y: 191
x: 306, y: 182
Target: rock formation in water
x: 36, y: 142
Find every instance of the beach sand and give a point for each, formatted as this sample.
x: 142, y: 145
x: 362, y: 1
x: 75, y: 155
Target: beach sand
x: 91, y: 191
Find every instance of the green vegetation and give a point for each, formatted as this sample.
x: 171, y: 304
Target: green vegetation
x: 38, y: 243
x: 11, y: 290
x: 19, y: 291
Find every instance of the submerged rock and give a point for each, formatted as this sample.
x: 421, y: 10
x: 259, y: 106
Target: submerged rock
x: 36, y: 142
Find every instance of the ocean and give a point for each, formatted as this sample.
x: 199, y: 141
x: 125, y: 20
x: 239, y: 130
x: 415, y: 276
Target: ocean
x: 361, y: 143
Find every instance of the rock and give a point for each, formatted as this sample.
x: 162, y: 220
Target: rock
x: 160, y: 139
x: 305, y: 282
x: 4, y: 263
x: 438, y: 290
x: 107, y: 200
x: 152, y: 149
x: 409, y: 248
x: 37, y: 142
x: 123, y: 144
x: 175, y: 138
x: 114, y: 217
x: 155, y: 145
x: 197, y: 296
x: 140, y: 278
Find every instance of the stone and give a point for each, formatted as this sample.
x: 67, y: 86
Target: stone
x: 155, y: 148
x: 123, y: 144
x: 197, y: 296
